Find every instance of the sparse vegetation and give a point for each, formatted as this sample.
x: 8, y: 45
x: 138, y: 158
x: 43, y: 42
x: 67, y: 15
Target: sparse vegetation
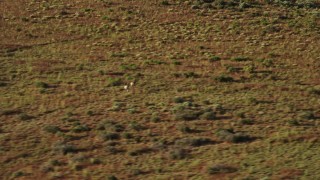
x: 52, y: 129
x: 221, y: 168
x: 64, y: 148
x: 168, y: 89
x: 224, y: 78
x: 230, y: 136
x: 109, y: 136
x: 178, y: 153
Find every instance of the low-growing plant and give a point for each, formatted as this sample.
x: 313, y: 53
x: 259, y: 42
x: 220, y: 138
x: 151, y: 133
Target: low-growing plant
x: 136, y: 126
x: 112, y: 177
x: 64, y: 148
x: 52, y: 129
x: 90, y: 113
x: 109, y: 136
x: 179, y: 99
x: 132, y: 111
x: 155, y: 117
x: 41, y: 84
x: 293, y: 122
x: 114, y: 82
x: 307, y: 115
x: 186, y: 115
x: 224, y: 78
x: 178, y: 153
x: 221, y: 168
x: 127, y: 135
x: 230, y: 136
x: 184, y: 129
x: 80, y: 128
x: 18, y: 174
x: 208, y: 115
x: 25, y: 117
x: 95, y: 161
x: 113, y: 150
x: 214, y: 58
x: 165, y: 3
x: 240, y: 58
x: 246, y: 122
x: 140, y: 151
x: 193, y: 142
x: 191, y: 75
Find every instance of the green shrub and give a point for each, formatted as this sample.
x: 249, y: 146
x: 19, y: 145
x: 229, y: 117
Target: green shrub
x: 230, y: 136
x: 114, y: 82
x: 246, y: 122
x: 132, y: 111
x: 90, y: 113
x: 208, y: 116
x: 139, y: 151
x: 214, y: 58
x: 221, y: 168
x: 127, y: 135
x: 293, y: 122
x: 307, y: 115
x: 186, y: 115
x: 117, y: 128
x: 135, y: 126
x: 191, y: 75
x: 193, y: 142
x: 64, y: 148
x: 112, y: 177
x: 42, y: 85
x: 25, y: 117
x: 224, y: 78
x: 95, y: 161
x: 240, y: 58
x: 18, y: 174
x: 184, y: 129
x: 179, y: 100
x: 52, y: 129
x: 155, y: 117
x: 178, y: 153
x: 80, y: 128
x: 165, y: 3
x: 105, y: 124
x: 109, y: 136
x: 3, y: 84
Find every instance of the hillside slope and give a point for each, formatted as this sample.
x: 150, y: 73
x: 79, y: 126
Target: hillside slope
x: 221, y: 90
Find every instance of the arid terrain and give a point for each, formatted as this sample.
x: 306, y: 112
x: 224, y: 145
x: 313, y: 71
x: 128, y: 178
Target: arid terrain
x: 156, y: 89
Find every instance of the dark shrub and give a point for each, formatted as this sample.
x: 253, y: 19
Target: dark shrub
x: 140, y: 151
x: 307, y: 115
x: 52, y: 129
x: 240, y: 58
x: 193, y: 142
x: 214, y: 58
x: 80, y: 128
x: 208, y: 116
x: 184, y: 129
x: 179, y: 100
x: 64, y: 148
x: 186, y: 115
x: 25, y: 117
x: 246, y: 122
x: 224, y: 78
x: 112, y: 177
x: 229, y: 136
x: 221, y: 168
x: 178, y: 153
x: 42, y: 85
x: 109, y: 136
